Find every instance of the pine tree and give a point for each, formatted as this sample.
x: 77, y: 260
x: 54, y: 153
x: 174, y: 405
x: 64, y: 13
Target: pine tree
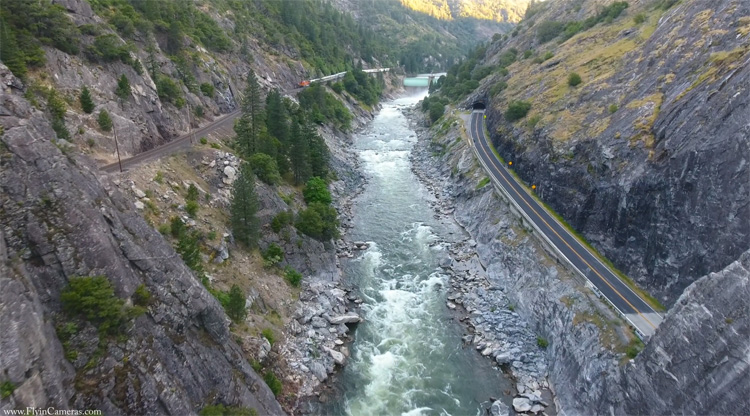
x: 151, y: 62
x: 244, y: 206
x: 10, y: 54
x: 277, y: 125
x: 252, y: 116
x: 298, y: 152
x: 123, y: 87
x: 277, y: 121
x: 317, y: 153
x: 105, y: 122
x: 236, y: 305
x: 86, y: 102
x: 189, y: 248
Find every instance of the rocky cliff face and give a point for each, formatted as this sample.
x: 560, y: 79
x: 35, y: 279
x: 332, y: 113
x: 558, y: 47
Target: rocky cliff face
x: 695, y: 363
x: 586, y: 340
x: 648, y: 156
x: 60, y: 221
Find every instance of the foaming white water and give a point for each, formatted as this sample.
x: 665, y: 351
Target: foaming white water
x: 407, y: 358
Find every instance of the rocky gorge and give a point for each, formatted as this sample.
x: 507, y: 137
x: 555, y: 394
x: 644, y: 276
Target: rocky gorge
x: 511, y: 289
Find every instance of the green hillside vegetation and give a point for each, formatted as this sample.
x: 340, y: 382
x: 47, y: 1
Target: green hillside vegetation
x: 422, y: 42
x: 497, y: 10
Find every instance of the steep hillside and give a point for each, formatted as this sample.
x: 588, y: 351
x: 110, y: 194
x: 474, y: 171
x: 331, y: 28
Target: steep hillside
x: 631, y: 121
x: 137, y: 293
x: 498, y: 10
x: 426, y: 43
x: 166, y: 349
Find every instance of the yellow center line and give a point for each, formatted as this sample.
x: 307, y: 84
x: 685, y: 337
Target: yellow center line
x: 493, y: 161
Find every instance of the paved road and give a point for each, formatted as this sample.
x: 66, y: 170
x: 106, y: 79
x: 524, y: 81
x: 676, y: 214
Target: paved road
x: 634, y: 309
x: 222, y: 126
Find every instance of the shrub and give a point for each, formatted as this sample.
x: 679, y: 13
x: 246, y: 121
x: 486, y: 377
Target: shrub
x: 634, y: 347
x: 273, y: 254
x: 87, y: 104
x: 159, y: 178
x: 548, y: 30
x: 268, y: 334
x: 93, y: 298
x: 281, y: 220
x: 168, y: 90
x: 123, y: 87
x: 613, y: 108
x: 541, y: 342
x: 192, y: 193
x: 318, y: 221
x: 517, y: 110
x: 574, y: 79
x: 221, y: 410
x: 533, y: 121
x: 191, y: 207
x: 548, y: 55
x: 165, y: 229
x: 483, y: 183
x: 141, y: 296
x: 571, y: 29
x: 639, y: 18
x: 527, y: 53
x: 498, y: 88
x: 105, y: 123
x: 437, y: 109
x: 108, y: 48
x: 265, y: 168
x: 316, y: 190
x: 207, y: 89
x: 204, y: 140
x: 292, y: 276
x: 236, y: 304
x: 6, y: 389
x: 273, y: 383
x: 337, y: 87
x: 176, y: 226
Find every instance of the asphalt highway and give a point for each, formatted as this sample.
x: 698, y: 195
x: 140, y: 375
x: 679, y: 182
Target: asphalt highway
x: 639, y: 313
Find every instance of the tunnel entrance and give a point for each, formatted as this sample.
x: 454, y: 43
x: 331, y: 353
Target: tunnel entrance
x: 478, y: 105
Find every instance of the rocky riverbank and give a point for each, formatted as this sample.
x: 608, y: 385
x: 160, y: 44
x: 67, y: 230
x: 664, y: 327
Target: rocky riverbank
x: 522, y: 309
x: 493, y: 326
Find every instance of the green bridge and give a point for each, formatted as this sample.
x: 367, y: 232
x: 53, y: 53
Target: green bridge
x: 422, y: 80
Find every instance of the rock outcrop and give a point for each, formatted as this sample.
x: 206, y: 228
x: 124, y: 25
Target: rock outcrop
x: 648, y: 157
x: 59, y: 220
x: 697, y: 363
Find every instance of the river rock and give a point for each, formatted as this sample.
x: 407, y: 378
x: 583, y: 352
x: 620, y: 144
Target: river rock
x: 338, y: 357
x: 348, y: 318
x: 521, y: 404
x: 503, y: 358
x: 139, y: 205
x: 499, y: 408
x: 318, y: 322
x: 318, y: 370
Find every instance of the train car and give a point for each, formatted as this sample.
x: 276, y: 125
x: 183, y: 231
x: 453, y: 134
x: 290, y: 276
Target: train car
x: 304, y: 83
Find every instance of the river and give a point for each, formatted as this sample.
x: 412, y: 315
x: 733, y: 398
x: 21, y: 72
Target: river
x: 408, y: 356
